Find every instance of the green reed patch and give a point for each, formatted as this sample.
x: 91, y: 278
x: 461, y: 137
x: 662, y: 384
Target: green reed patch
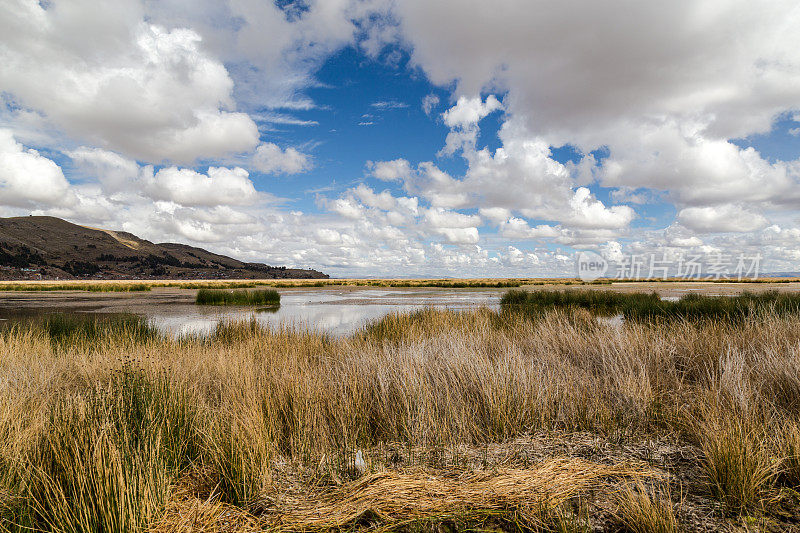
x: 109, y: 457
x: 65, y: 329
x: 646, y: 306
x: 241, y: 297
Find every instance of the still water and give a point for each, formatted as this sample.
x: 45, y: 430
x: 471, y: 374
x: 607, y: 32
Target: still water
x: 338, y: 311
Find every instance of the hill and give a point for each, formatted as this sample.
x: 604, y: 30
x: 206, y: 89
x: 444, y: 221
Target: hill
x: 37, y: 247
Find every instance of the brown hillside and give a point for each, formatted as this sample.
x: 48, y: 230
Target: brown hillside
x: 38, y: 247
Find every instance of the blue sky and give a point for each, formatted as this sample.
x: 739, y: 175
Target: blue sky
x: 378, y: 138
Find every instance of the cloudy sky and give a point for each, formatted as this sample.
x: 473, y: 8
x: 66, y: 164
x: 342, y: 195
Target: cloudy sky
x: 410, y: 137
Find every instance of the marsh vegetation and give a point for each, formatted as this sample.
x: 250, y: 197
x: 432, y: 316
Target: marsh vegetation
x: 650, y: 306
x: 508, y: 420
x: 263, y: 297
x: 77, y: 286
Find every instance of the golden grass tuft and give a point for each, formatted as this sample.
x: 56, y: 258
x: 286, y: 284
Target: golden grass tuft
x: 645, y: 509
x: 736, y: 461
x: 788, y: 447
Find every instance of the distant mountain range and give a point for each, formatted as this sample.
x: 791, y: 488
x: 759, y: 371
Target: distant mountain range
x: 37, y: 247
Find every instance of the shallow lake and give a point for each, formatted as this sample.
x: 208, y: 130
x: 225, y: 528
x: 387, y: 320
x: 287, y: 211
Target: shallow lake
x: 334, y: 310
x: 338, y: 311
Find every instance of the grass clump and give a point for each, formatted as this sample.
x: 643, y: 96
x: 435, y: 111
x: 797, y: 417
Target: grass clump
x: 265, y: 297
x: 736, y: 463
x: 788, y: 447
x: 642, y: 509
x: 602, y: 302
x: 89, y: 329
x: 107, y: 458
x: 649, y: 306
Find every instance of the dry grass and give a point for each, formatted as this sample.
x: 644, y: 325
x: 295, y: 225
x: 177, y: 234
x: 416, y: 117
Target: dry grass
x: 643, y: 509
x: 395, y: 497
x: 391, y: 500
x: 146, y: 285
x: 88, y: 286
x: 274, y: 420
x: 453, y: 283
x: 789, y: 449
x: 737, y: 463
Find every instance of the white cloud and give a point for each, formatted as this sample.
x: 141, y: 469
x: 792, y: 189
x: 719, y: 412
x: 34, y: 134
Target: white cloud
x: 588, y: 212
x: 664, y: 111
x: 327, y: 236
x: 438, y: 187
x: 270, y: 159
x: 220, y: 186
x: 695, y: 169
x: 137, y: 88
x: 429, y: 102
x: 685, y: 242
x: 517, y: 228
x: 451, y: 219
x: 459, y: 235
x: 115, y: 172
x: 383, y: 200
x: 672, y: 58
x: 495, y: 214
x: 27, y: 177
x: 661, y: 89
x: 463, y: 119
x: 469, y: 111
x: 518, y: 258
x: 388, y: 104
x: 398, y: 169
x: 348, y: 208
x: 721, y: 218
x: 612, y: 251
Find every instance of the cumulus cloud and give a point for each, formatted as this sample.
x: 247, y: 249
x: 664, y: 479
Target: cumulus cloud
x: 668, y: 59
x: 219, y: 186
x: 695, y: 169
x: 460, y: 235
x: 383, y: 200
x: 588, y: 212
x: 398, y: 169
x: 469, y: 111
x: 495, y: 214
x: 270, y: 159
x: 451, y: 219
x: 516, y: 257
x: 152, y: 93
x: 437, y: 186
x: 463, y: 119
x: 115, y: 172
x: 721, y: 218
x: 519, y: 229
x: 27, y: 177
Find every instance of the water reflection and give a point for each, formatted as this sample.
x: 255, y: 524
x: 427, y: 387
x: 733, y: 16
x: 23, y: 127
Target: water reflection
x: 337, y: 311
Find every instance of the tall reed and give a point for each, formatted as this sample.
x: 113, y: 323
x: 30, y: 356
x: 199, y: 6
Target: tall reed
x: 240, y: 297
x: 648, y: 306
